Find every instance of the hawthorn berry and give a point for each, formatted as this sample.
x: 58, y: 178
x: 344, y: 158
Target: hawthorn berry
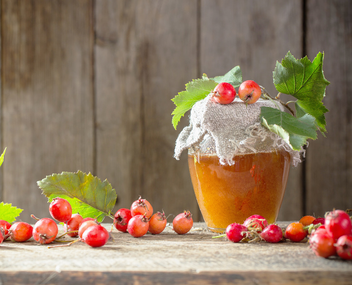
x: 72, y: 225
x: 338, y: 223
x: 5, y: 225
x: 322, y: 243
x: 235, y: 232
x: 344, y: 247
x: 223, y: 93
x: 60, y: 209
x: 295, y: 232
x: 141, y: 207
x: 20, y: 231
x: 45, y: 231
x: 255, y: 222
x: 157, y: 223
x: 249, y: 92
x: 183, y: 223
x: 122, y: 216
x: 138, y: 226
x: 272, y: 233
x: 96, y: 236
x: 85, y: 225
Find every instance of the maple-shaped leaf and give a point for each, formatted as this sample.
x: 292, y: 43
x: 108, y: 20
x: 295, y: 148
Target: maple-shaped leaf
x: 88, y: 195
x: 294, y: 131
x: 8, y: 212
x: 305, y: 81
x: 196, y: 90
x: 234, y: 77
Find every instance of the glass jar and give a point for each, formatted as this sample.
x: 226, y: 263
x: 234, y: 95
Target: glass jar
x: 254, y: 184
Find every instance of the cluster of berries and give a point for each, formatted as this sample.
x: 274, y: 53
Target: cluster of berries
x: 139, y: 219
x: 224, y: 93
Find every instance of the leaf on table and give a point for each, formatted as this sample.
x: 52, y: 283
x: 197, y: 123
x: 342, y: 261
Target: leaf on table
x: 234, y: 77
x: 294, y: 131
x: 88, y: 195
x: 196, y: 90
x: 305, y: 81
x: 8, y: 212
x: 2, y: 157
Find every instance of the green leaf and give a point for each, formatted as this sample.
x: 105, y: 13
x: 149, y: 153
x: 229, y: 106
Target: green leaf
x: 88, y: 195
x: 305, y: 81
x: 8, y: 212
x: 234, y: 77
x: 2, y: 157
x: 196, y: 90
x: 295, y: 131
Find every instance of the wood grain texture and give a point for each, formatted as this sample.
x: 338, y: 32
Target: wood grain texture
x: 145, y: 53
x: 329, y: 161
x: 253, y: 35
x: 193, y: 258
x: 47, y: 96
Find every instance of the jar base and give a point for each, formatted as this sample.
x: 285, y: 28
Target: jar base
x: 216, y: 230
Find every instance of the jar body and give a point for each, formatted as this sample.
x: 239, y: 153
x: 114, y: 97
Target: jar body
x: 254, y: 184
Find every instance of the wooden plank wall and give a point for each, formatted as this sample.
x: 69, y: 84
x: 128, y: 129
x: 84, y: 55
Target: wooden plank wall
x: 87, y: 85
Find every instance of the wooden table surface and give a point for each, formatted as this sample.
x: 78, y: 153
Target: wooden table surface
x: 168, y: 258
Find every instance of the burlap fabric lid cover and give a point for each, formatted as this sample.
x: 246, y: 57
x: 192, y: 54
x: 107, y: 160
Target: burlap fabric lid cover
x: 229, y: 130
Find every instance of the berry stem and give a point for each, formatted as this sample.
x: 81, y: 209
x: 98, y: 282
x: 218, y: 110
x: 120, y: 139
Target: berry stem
x: 277, y: 98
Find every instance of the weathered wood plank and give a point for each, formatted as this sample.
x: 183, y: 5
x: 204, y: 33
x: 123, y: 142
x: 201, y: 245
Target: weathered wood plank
x: 145, y: 53
x: 47, y: 95
x: 253, y: 34
x: 329, y: 161
x: 170, y: 258
x: 155, y: 278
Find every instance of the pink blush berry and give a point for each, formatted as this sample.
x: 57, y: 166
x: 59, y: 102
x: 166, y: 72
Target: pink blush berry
x: 235, y: 232
x: 272, y: 233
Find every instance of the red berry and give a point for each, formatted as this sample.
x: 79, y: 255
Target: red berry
x: 322, y: 243
x: 319, y: 221
x: 141, y: 207
x: 45, y: 231
x: 224, y: 93
x: 255, y: 222
x: 249, y: 92
x: 338, y: 223
x: 183, y: 223
x: 20, y: 231
x: 344, y: 247
x: 85, y: 225
x: 2, y: 235
x: 272, y: 233
x: 138, y: 226
x: 73, y: 224
x: 235, y: 232
x: 96, y: 236
x: 122, y: 216
x: 5, y: 226
x: 157, y: 223
x: 60, y: 209
x: 295, y: 232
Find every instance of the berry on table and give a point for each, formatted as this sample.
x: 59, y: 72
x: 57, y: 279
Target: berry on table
x: 322, y: 243
x: 338, y: 223
x: 60, y: 209
x: 141, y: 207
x: 20, y: 231
x: 5, y: 225
x: 122, y: 216
x: 138, y: 226
x: 183, y: 223
x: 45, y: 231
x: 236, y: 232
x: 85, y: 225
x: 73, y: 224
x: 272, y: 233
x: 157, y: 223
x: 96, y: 236
x: 255, y: 222
x: 295, y: 232
x: 344, y: 247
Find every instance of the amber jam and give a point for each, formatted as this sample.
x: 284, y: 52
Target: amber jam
x: 226, y: 194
